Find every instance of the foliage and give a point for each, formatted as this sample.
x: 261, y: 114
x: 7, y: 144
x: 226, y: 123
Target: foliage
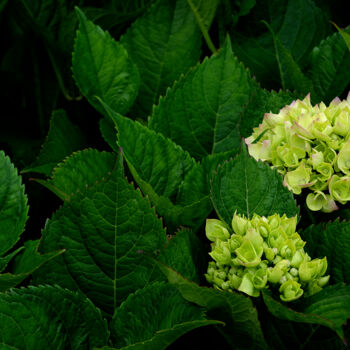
x: 140, y: 108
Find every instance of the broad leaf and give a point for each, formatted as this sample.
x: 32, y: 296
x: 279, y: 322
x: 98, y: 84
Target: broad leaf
x: 333, y: 241
x: 101, y: 67
x: 6, y: 259
x: 345, y: 35
x: 136, y: 325
x: 330, y: 67
x: 104, y: 232
x: 184, y: 253
x: 176, y: 185
x: 49, y: 317
x: 63, y: 138
x: 13, y: 205
x: 248, y: 186
x: 25, y: 264
x: 163, y: 43
x: 201, y: 112
x: 330, y: 308
x: 107, y: 129
x: 79, y: 172
x: 242, y: 328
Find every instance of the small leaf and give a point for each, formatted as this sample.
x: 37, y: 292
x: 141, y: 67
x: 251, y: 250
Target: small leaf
x: 201, y: 113
x: 136, y: 325
x: 101, y: 67
x: 242, y: 328
x: 105, y: 230
x: 63, y: 138
x: 249, y: 187
x: 49, y: 317
x: 163, y: 43
x: 13, y: 205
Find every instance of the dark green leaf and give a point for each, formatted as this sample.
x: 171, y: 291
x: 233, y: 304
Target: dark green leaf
x: 6, y: 259
x: 109, y: 134
x: 345, y: 35
x: 49, y: 317
x: 164, y: 43
x: 104, y: 232
x: 201, y: 112
x: 242, y: 328
x: 248, y: 186
x: 63, y: 139
x: 13, y: 205
x: 102, y: 68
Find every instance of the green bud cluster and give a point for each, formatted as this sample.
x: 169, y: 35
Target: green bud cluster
x: 262, y: 252
x: 310, y: 146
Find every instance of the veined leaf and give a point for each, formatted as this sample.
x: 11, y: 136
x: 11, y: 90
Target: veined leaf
x: 104, y: 232
x: 330, y: 67
x: 175, y: 183
x: 242, y: 328
x: 248, y: 186
x: 13, y: 205
x: 330, y: 308
x: 79, y: 172
x: 163, y: 43
x: 49, y: 317
x: 201, y: 112
x: 63, y: 139
x: 25, y: 264
x: 333, y: 241
x: 136, y: 325
x: 101, y: 67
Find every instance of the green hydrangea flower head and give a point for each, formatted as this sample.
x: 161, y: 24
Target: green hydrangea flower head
x: 309, y: 146
x: 260, y: 253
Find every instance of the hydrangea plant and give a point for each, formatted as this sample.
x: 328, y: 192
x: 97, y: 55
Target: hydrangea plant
x: 310, y: 146
x: 263, y: 252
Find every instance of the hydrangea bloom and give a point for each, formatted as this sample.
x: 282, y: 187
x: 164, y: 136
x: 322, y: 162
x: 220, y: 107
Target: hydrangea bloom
x: 262, y: 252
x: 310, y: 146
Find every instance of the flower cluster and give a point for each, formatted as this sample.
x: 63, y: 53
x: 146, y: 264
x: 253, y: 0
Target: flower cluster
x: 262, y: 252
x: 310, y: 146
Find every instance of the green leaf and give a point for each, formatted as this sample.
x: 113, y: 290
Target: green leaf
x: 63, y: 138
x: 104, y: 232
x: 330, y: 308
x: 79, y: 172
x: 242, y: 328
x: 136, y: 325
x: 344, y: 34
x: 333, y: 241
x: 176, y: 185
x: 330, y: 67
x: 204, y: 12
x: 109, y: 134
x: 13, y: 205
x: 25, y: 264
x: 184, y: 253
x: 49, y: 317
x: 201, y: 112
x: 163, y: 43
x: 248, y: 186
x: 101, y: 67
x: 261, y: 102
x: 6, y: 259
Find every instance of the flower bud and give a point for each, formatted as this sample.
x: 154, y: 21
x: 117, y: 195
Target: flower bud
x: 221, y: 253
x: 247, y: 286
x: 339, y: 188
x: 297, y: 179
x: 239, y: 224
x: 260, y: 278
x: 290, y: 290
x: 216, y: 229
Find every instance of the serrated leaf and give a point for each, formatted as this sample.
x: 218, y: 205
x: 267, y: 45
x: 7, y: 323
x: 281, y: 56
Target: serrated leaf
x: 109, y: 134
x: 13, y: 205
x: 174, y: 182
x: 261, y: 102
x: 49, y: 317
x: 136, y: 325
x: 330, y: 308
x: 330, y: 67
x: 77, y: 173
x: 201, y: 112
x: 248, y: 186
x: 6, y: 259
x: 242, y: 328
x: 333, y: 241
x: 185, y: 254
x: 25, y: 264
x: 101, y: 67
x: 63, y: 138
x: 163, y: 43
x: 104, y: 232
